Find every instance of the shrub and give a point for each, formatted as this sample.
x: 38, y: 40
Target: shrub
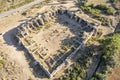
x: 95, y: 12
x: 83, y: 74
x: 98, y: 76
x: 110, y: 11
x: 112, y: 1
x: 118, y: 12
x: 2, y: 62
x: 107, y: 10
x: 90, y: 10
x: 101, y: 7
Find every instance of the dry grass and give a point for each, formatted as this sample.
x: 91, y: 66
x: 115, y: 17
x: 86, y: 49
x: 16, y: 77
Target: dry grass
x: 97, y: 2
x: 6, y: 5
x: 115, y: 74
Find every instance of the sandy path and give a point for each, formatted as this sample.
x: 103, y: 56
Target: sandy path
x: 20, y: 8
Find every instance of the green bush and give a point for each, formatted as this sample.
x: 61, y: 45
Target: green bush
x: 110, y: 11
x: 107, y: 10
x: 88, y: 9
x: 101, y: 7
x: 98, y: 76
x: 112, y: 1
x: 83, y: 74
x: 95, y: 12
x: 2, y: 62
x: 110, y: 49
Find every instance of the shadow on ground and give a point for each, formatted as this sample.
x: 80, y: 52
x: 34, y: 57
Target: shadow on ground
x: 11, y: 40
x: 73, y: 26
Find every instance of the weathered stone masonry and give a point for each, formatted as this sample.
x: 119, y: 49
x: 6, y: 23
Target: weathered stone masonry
x: 38, y: 21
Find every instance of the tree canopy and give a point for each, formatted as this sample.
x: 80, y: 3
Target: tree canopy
x: 111, y: 45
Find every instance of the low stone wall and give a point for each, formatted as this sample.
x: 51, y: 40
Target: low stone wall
x: 39, y: 20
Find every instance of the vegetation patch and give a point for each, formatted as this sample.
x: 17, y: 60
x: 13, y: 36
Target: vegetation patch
x: 110, y: 49
x: 96, y: 11
x: 2, y: 62
x: 79, y: 70
x: 12, y: 4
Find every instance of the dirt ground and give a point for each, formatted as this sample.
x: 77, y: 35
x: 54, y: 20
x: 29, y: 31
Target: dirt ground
x: 115, y: 74
x: 17, y: 66
x: 97, y: 2
x: 6, y: 5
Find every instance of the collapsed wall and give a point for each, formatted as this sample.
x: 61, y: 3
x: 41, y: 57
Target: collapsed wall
x: 41, y: 19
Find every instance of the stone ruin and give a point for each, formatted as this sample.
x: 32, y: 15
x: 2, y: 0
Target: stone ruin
x: 55, y: 63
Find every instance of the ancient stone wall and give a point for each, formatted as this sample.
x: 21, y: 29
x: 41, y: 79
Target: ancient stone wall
x: 39, y: 20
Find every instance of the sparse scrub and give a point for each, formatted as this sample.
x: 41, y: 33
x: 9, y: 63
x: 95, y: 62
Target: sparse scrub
x: 30, y: 78
x: 7, y: 5
x: 116, y: 4
x: 2, y: 62
x: 112, y: 1
x: 96, y: 11
x: 105, y: 9
x: 79, y: 68
x: 110, y: 47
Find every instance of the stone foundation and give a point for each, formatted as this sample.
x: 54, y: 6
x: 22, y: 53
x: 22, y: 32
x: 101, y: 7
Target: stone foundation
x: 38, y: 21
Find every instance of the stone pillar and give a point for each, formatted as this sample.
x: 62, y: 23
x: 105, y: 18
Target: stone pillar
x: 50, y: 15
x: 47, y: 14
x: 53, y: 13
x: 79, y: 21
x: 87, y: 25
x: 22, y: 33
x: 56, y: 12
x: 31, y: 24
x: 40, y: 20
x: 78, y: 18
x: 19, y: 43
x: 45, y: 18
x: 28, y: 26
x: 19, y: 33
x: 61, y: 12
x: 75, y: 17
x: 65, y: 11
x: 70, y: 14
x: 25, y: 30
x: 34, y: 23
x: 37, y: 23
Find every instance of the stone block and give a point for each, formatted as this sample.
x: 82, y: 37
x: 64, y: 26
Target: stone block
x: 70, y: 14
x: 53, y: 13
x: 41, y: 21
x: 45, y: 18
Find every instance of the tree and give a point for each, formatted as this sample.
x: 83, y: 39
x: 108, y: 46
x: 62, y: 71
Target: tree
x: 111, y: 44
x: 110, y: 48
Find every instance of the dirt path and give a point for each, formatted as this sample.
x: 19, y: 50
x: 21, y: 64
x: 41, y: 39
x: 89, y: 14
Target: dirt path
x: 20, y: 8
